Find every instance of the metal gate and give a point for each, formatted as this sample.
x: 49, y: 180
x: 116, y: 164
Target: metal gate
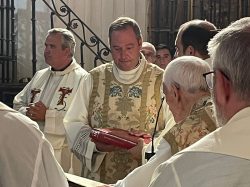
x: 7, y: 42
x: 167, y: 15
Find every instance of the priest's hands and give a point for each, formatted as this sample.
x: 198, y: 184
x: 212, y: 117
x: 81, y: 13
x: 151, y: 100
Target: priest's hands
x: 36, y: 111
x: 103, y: 147
x: 137, y: 150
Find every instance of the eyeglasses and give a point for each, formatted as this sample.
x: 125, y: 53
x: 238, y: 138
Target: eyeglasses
x: 209, y: 79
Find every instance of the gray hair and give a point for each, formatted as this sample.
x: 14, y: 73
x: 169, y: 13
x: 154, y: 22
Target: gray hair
x: 230, y: 53
x: 68, y: 39
x: 186, y: 72
x: 123, y: 23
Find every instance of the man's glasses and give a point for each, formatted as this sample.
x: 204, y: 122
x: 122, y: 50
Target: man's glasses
x: 209, y: 79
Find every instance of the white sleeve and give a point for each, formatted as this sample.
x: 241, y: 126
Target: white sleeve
x: 141, y: 176
x: 20, y: 101
x: 77, y: 127
x: 47, y: 171
x: 77, y: 115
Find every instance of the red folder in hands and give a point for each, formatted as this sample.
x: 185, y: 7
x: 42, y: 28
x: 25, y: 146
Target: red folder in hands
x: 118, y: 137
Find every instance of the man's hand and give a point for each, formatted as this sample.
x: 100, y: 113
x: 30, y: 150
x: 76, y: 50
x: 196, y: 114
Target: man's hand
x: 36, y: 111
x: 137, y: 150
x: 106, y: 147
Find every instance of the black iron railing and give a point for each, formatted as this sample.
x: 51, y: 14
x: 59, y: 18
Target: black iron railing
x: 8, y: 42
x: 81, y: 31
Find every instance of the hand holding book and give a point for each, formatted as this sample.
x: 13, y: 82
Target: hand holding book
x: 119, y: 137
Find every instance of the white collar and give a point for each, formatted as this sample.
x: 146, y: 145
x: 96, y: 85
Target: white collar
x: 128, y: 77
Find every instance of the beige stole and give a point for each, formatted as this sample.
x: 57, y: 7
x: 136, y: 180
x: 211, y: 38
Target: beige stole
x: 231, y: 139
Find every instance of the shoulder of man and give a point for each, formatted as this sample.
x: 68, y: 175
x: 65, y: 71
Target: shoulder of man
x: 154, y: 68
x: 101, y: 68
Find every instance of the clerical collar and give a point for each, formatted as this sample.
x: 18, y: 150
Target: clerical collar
x: 63, y: 67
x: 128, y: 77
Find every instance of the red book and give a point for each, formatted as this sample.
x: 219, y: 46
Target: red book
x: 118, y: 137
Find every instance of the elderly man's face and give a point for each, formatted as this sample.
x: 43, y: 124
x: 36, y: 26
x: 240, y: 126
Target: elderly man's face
x: 54, y: 54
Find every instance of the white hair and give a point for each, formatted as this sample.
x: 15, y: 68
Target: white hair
x: 186, y: 72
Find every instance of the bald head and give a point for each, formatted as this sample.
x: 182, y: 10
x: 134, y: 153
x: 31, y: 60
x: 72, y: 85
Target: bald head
x: 148, y: 50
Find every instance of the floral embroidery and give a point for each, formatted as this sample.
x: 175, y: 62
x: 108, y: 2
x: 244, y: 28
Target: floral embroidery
x: 97, y: 113
x: 151, y: 114
x: 115, y: 91
x: 135, y: 92
x: 125, y: 105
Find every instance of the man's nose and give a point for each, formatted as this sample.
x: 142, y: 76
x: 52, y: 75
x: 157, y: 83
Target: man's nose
x: 46, y: 50
x: 123, y: 53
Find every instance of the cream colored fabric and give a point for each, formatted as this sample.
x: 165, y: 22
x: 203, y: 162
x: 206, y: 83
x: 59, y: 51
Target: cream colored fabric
x: 204, y: 169
x: 56, y: 90
x: 221, y: 158
x: 198, y: 124
x: 196, y: 120
x: 229, y: 139
x: 127, y: 106
x: 77, y: 118
x: 26, y: 157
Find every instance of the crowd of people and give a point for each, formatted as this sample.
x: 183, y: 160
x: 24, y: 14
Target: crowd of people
x: 194, y: 105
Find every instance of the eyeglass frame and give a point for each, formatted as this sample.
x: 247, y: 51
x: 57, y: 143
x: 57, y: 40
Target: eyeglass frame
x: 210, y: 72
x: 210, y: 86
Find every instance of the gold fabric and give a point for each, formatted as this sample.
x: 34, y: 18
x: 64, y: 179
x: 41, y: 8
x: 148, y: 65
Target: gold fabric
x: 198, y: 124
x: 124, y: 106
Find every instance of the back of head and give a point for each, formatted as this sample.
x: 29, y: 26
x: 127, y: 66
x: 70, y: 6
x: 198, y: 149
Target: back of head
x: 68, y: 39
x: 149, y: 51
x: 186, y: 72
x: 123, y: 23
x: 149, y: 47
x: 197, y: 33
x: 230, y: 53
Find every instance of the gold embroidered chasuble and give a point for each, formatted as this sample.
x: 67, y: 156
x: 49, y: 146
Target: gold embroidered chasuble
x: 124, y: 106
x: 200, y: 123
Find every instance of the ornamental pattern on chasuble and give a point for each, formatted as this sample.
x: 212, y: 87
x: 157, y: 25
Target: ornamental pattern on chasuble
x: 200, y: 123
x: 132, y: 106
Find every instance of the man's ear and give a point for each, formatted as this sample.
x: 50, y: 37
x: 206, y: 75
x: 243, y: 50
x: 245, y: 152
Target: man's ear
x: 190, y: 50
x: 223, y: 88
x: 176, y: 93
